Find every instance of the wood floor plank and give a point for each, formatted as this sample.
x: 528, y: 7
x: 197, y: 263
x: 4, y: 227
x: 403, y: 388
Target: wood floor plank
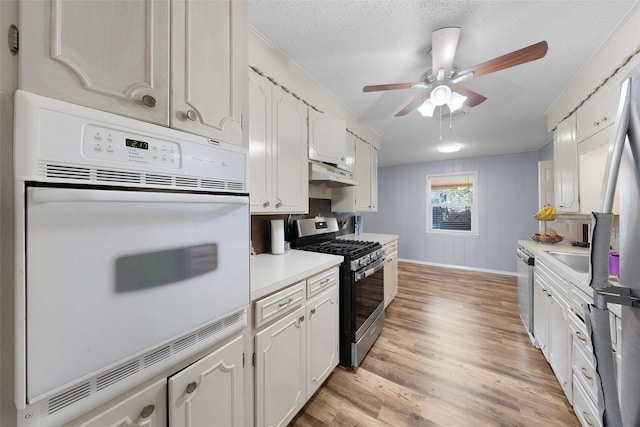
x: 453, y: 352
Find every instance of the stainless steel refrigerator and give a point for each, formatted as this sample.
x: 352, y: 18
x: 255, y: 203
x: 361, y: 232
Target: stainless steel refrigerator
x: 623, y: 170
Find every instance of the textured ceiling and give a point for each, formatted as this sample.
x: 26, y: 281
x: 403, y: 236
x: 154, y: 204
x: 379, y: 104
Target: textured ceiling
x: 347, y: 44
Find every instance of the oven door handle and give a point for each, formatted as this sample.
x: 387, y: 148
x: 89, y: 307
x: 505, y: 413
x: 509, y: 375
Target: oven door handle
x: 373, y: 268
x: 62, y: 195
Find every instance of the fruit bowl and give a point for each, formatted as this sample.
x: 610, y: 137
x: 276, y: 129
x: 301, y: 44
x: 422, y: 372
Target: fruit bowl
x: 546, y: 238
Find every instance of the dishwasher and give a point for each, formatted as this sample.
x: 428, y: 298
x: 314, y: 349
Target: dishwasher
x: 526, y: 263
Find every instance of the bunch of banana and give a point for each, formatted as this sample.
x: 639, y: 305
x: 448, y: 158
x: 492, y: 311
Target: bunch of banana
x: 547, y: 213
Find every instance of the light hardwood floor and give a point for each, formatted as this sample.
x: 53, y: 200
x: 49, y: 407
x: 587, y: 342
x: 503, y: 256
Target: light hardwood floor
x: 453, y: 352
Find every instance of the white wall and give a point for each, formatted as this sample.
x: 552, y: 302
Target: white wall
x: 507, y: 192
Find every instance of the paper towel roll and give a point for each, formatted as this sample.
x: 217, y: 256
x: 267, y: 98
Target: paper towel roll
x: 277, y: 236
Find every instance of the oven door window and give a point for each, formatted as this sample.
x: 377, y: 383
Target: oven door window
x: 369, y: 294
x: 110, y: 274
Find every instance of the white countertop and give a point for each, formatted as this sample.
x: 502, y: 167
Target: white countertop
x: 372, y: 237
x: 270, y: 273
x: 581, y: 280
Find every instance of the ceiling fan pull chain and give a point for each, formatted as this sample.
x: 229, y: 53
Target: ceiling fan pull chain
x: 440, y: 108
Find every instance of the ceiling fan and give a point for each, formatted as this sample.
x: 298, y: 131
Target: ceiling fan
x: 443, y: 82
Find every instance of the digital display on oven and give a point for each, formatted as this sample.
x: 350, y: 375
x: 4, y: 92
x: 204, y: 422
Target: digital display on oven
x: 134, y: 143
x: 321, y: 225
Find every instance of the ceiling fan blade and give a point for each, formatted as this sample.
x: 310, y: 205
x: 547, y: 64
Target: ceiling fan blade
x: 473, y: 98
x: 443, y: 48
x: 417, y: 101
x: 390, y: 86
x: 517, y: 57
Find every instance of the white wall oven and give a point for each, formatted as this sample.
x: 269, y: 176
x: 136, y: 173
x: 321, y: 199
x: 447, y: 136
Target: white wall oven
x: 132, y: 253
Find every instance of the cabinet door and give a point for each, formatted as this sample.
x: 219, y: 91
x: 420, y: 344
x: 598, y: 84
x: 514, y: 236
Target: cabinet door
x: 260, y: 147
x: 102, y: 54
x: 565, y: 152
x: 322, y: 338
x: 209, y: 392
x: 391, y: 273
x: 327, y: 141
x: 350, y: 147
x: 280, y: 370
x: 560, y: 342
x: 291, y: 171
x: 374, y: 179
x: 209, y: 67
x: 363, y: 176
x: 540, y: 305
x: 592, y: 161
x: 146, y: 408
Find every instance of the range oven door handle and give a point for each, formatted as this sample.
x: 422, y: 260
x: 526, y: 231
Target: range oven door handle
x: 373, y: 268
x: 49, y: 195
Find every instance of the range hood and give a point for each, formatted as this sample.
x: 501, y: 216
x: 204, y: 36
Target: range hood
x: 320, y: 173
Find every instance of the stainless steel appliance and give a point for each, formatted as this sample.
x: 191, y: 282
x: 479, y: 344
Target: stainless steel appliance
x: 525, y: 262
x: 132, y: 253
x: 624, y: 160
x: 361, y: 285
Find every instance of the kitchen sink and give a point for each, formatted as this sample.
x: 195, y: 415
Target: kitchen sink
x: 578, y: 262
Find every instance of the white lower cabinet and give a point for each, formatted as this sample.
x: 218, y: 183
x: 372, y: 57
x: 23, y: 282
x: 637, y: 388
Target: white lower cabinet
x: 391, y: 272
x: 280, y: 366
x: 551, y: 321
x: 209, y: 392
x: 295, y: 354
x: 145, y: 408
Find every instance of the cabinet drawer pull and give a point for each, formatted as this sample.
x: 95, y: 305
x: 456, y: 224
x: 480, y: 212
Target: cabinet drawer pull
x: 149, y: 101
x: 282, y: 304
x: 191, y: 387
x: 581, y: 336
x: 586, y: 375
x: 586, y: 419
x: 147, y: 411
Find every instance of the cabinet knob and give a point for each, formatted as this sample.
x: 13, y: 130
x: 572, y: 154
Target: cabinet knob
x: 313, y: 311
x: 301, y: 319
x: 603, y: 119
x: 191, y: 115
x: 596, y: 123
x: 278, y: 205
x: 191, y: 387
x: 147, y: 411
x: 266, y: 204
x: 149, y: 101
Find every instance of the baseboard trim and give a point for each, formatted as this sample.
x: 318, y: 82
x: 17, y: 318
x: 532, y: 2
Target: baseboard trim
x: 459, y: 267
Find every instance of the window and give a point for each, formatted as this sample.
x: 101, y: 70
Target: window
x: 452, y: 204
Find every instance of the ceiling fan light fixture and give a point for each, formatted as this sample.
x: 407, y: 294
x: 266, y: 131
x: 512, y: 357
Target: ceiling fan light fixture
x: 449, y: 148
x: 427, y: 108
x: 456, y: 101
x: 440, y: 95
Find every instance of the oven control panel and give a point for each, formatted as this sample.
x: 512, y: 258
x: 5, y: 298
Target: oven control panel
x: 113, y: 145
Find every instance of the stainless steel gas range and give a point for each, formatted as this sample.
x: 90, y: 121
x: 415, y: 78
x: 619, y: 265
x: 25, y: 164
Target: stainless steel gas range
x: 361, y: 284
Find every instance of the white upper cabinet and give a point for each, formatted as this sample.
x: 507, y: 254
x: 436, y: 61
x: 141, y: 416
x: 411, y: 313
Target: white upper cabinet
x: 209, y: 71
x: 112, y: 56
x: 367, y: 177
x: 565, y: 156
x: 327, y: 142
x: 277, y: 149
x: 125, y: 57
x: 364, y: 196
x: 593, y: 154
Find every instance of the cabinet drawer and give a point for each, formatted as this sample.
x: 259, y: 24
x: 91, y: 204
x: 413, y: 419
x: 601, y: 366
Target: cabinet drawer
x: 583, y: 368
x: 391, y: 249
x: 278, y: 304
x: 550, y: 278
x: 579, y: 300
x: 322, y: 281
x: 580, y: 336
x: 582, y: 406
